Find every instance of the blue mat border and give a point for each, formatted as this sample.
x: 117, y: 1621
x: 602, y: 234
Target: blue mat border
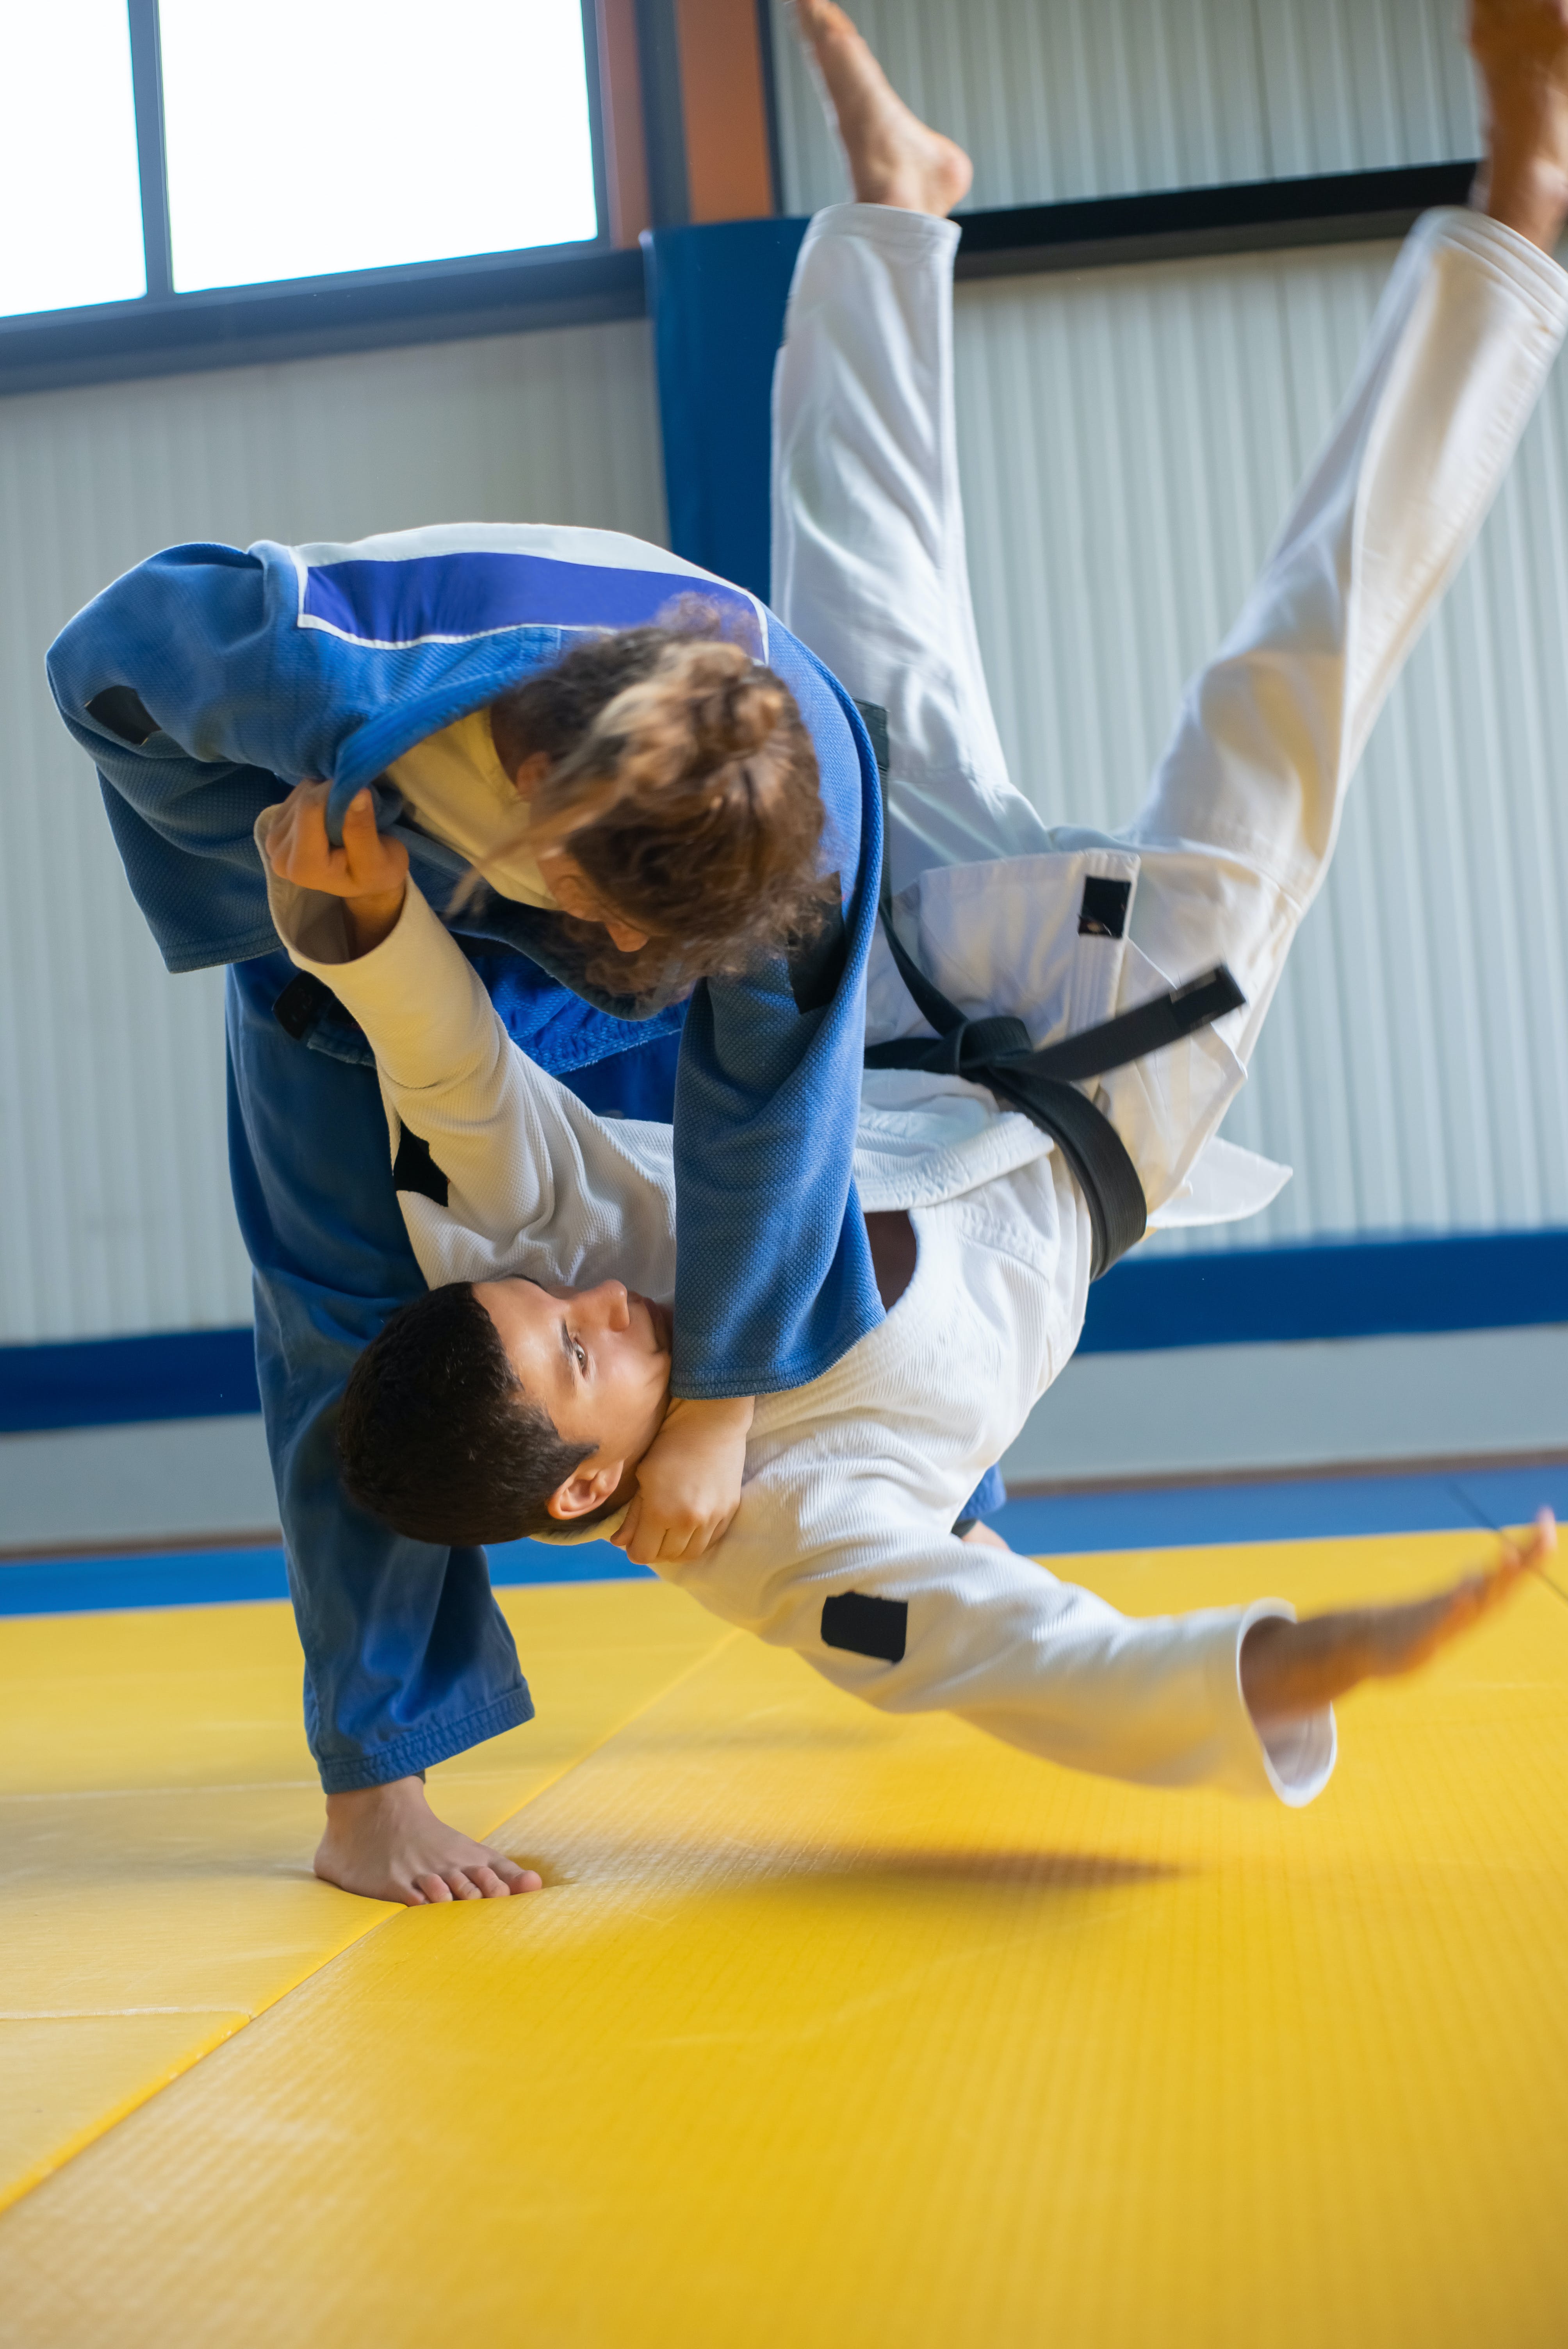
x: 1052, y: 1525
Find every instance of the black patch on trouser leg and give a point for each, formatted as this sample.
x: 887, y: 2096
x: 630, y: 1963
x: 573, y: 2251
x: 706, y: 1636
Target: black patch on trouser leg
x: 865, y: 1625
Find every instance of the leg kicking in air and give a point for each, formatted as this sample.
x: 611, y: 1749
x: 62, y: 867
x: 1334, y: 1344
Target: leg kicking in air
x: 521, y: 1393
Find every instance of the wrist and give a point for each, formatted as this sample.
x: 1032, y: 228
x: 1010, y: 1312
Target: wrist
x: 373, y: 917
x: 721, y: 1412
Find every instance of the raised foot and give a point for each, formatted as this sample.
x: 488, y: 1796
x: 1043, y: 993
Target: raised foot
x: 894, y: 156
x: 386, y: 1844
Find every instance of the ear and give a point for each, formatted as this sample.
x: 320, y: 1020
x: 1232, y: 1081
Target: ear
x: 586, y: 1490
x: 531, y: 773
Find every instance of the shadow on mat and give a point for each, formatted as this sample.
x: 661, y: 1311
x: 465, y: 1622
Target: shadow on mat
x: 1054, y: 1871
x: 754, y: 1868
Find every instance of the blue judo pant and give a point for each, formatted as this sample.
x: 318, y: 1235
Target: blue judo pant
x: 408, y: 1658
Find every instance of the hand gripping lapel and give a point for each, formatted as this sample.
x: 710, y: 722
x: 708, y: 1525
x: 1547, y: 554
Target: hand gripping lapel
x: 997, y: 1052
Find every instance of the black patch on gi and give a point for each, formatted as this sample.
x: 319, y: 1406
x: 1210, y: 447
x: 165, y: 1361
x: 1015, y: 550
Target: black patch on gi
x: 120, y: 710
x: 1103, y: 914
x: 300, y: 1005
x: 816, y: 960
x: 414, y: 1169
x: 866, y: 1626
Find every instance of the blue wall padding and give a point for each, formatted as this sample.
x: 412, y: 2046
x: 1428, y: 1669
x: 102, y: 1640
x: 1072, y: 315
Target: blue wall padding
x: 110, y: 1381
x: 717, y: 298
x: 1352, y: 1289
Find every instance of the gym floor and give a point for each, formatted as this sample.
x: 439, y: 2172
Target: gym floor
x: 826, y: 2028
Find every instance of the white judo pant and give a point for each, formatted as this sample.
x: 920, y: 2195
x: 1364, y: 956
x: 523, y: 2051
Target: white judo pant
x: 1241, y: 819
x: 1231, y: 844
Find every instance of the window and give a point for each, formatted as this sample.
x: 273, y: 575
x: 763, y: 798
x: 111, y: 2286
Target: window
x: 309, y: 137
x: 300, y: 139
x: 68, y: 187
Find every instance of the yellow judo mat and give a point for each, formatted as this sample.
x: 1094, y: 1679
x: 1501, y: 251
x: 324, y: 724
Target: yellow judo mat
x: 826, y: 2030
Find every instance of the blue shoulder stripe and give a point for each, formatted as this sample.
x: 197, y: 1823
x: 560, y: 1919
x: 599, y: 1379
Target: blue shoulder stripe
x: 446, y: 598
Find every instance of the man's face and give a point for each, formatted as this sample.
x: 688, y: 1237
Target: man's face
x: 598, y: 1360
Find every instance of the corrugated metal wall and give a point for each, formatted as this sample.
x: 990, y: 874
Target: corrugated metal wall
x: 112, y: 1169
x: 1064, y: 99
x: 1129, y: 439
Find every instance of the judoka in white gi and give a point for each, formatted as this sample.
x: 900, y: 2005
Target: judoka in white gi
x: 842, y: 1549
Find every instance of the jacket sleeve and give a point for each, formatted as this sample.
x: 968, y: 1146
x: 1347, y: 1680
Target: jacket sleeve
x: 775, y: 1280
x: 168, y: 681
x: 914, y: 1621
x: 496, y: 1125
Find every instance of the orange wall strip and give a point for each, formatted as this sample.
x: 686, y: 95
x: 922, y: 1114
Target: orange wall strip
x: 621, y: 99
x: 723, y: 95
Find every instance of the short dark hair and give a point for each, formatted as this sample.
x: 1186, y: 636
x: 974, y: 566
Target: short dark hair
x: 438, y: 1437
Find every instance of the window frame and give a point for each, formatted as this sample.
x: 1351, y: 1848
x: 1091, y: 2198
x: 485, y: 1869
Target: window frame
x: 161, y: 331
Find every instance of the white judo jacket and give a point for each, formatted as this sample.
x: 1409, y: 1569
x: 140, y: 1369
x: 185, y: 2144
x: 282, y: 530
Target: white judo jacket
x: 853, y: 1481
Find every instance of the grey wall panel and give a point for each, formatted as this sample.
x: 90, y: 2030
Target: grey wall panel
x: 111, y: 1073
x: 1129, y: 439
x: 1063, y: 99
x: 1356, y: 85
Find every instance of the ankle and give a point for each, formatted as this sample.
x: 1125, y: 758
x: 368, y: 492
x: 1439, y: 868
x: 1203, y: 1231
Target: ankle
x: 1526, y: 191
x: 354, y: 1802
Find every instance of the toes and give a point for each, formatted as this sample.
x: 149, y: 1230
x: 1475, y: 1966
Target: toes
x: 519, y: 1880
x: 459, y: 1885
x: 432, y: 1887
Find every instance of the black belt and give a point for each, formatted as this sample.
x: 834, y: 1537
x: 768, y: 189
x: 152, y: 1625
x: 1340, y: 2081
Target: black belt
x: 997, y: 1052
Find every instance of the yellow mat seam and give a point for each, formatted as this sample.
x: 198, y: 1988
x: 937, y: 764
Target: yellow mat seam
x: 101, y: 2123
x: 588, y: 1751
x: 100, y: 2126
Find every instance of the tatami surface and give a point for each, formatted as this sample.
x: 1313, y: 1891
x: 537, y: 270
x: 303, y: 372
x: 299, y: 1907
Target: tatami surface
x: 827, y: 2029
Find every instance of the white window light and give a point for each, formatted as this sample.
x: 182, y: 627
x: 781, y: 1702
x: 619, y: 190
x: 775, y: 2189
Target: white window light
x: 307, y: 136
x: 68, y: 189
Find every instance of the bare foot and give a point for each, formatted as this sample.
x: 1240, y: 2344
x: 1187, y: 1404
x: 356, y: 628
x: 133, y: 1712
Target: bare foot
x: 981, y: 1535
x: 386, y: 1843
x: 1521, y: 47
x: 894, y: 157
x: 1289, y: 1669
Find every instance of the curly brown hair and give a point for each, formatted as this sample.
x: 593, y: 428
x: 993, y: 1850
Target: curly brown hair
x: 685, y: 785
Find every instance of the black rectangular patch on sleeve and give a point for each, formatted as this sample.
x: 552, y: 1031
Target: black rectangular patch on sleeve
x: 120, y: 709
x: 866, y: 1626
x: 414, y: 1169
x: 1103, y: 914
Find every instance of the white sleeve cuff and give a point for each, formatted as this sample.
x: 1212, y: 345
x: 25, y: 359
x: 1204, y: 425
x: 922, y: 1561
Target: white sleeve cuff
x: 1295, y: 1759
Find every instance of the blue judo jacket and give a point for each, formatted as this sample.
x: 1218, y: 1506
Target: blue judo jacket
x: 203, y: 685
